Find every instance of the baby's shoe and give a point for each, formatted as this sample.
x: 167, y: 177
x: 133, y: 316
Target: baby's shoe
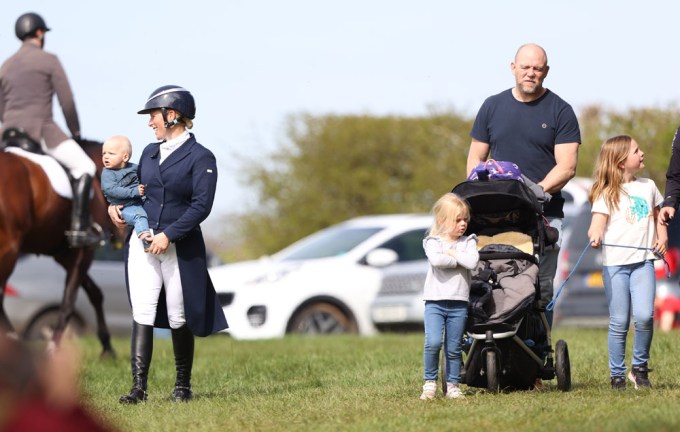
x: 146, y: 238
x: 453, y: 391
x: 429, y: 390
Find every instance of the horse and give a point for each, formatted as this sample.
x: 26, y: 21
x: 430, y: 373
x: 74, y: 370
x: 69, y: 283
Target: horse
x: 34, y: 220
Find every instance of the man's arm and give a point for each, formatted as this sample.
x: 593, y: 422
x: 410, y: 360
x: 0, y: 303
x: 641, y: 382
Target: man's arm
x: 65, y: 96
x: 478, y: 152
x: 566, y: 156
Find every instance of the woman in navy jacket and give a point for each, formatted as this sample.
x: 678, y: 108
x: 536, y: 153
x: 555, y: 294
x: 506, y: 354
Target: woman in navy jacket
x: 169, y: 287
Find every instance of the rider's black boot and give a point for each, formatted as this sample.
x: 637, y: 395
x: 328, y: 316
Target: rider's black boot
x: 183, y: 346
x: 141, y: 350
x: 81, y: 233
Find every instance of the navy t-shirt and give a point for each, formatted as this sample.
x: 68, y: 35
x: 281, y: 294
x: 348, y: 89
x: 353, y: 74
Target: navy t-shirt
x: 526, y: 133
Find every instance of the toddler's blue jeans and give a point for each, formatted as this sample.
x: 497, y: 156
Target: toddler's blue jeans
x: 440, y: 315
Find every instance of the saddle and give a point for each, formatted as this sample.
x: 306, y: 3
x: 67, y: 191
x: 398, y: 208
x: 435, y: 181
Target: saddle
x: 13, y: 137
x: 17, y: 141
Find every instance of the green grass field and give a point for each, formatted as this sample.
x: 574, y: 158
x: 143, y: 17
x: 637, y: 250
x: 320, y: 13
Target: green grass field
x: 361, y: 384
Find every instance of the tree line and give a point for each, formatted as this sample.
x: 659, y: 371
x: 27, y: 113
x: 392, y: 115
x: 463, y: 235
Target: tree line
x: 330, y: 168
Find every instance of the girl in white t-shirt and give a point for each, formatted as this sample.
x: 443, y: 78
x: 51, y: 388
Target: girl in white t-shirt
x: 625, y: 222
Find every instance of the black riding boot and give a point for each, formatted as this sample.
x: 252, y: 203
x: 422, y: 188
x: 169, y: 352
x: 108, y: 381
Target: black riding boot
x: 183, y: 346
x: 140, y: 359
x: 80, y: 234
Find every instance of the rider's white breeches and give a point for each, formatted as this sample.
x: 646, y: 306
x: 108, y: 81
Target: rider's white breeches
x: 73, y: 157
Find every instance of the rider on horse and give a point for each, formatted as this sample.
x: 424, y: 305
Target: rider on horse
x: 28, y: 81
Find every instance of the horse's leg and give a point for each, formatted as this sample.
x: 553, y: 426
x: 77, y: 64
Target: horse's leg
x: 94, y: 293
x: 76, y: 262
x: 76, y: 266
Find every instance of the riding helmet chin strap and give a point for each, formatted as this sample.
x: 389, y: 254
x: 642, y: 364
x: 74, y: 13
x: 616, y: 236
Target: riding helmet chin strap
x: 168, y: 124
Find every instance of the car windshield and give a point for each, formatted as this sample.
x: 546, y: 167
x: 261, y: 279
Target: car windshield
x: 328, y: 243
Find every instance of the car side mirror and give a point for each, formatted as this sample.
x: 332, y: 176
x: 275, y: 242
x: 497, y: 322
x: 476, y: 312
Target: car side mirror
x: 381, y: 257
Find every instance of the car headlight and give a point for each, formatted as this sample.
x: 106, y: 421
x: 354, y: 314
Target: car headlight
x: 257, y: 315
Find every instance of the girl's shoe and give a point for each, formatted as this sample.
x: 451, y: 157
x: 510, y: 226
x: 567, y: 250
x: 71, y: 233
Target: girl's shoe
x: 453, y: 391
x: 639, y: 376
x: 618, y: 383
x: 429, y: 390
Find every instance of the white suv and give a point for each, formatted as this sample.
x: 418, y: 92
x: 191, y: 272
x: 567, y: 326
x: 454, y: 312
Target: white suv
x: 321, y: 284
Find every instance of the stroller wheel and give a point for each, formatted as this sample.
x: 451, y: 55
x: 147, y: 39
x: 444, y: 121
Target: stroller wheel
x: 562, y: 366
x: 492, y: 371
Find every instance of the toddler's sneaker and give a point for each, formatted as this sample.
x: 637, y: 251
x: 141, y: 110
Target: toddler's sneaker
x: 639, y: 376
x: 453, y: 391
x: 146, y: 238
x: 429, y: 390
x: 618, y: 383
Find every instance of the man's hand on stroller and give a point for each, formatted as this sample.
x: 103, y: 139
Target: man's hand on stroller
x: 537, y: 189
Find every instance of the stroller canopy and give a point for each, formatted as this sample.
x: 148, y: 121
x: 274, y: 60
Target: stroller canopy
x: 497, y: 205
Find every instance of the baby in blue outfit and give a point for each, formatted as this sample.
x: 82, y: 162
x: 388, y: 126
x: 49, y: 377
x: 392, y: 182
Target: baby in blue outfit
x: 121, y: 186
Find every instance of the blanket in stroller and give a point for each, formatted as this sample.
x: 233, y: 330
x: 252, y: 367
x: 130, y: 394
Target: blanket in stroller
x: 502, y: 287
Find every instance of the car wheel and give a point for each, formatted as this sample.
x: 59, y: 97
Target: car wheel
x: 42, y: 326
x: 321, y: 318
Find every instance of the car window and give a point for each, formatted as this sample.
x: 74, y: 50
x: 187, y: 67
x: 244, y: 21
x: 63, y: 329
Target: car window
x: 409, y: 245
x: 328, y: 243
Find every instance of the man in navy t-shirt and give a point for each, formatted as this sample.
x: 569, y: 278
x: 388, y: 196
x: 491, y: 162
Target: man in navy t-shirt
x: 534, y: 128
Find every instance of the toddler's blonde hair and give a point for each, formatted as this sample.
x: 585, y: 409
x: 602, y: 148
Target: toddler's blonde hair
x: 446, y: 211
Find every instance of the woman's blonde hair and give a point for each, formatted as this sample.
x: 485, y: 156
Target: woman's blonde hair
x: 609, y: 170
x: 446, y: 211
x: 187, y: 123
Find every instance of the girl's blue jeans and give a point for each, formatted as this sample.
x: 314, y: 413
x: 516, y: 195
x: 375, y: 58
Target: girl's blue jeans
x: 440, y: 316
x: 627, y: 286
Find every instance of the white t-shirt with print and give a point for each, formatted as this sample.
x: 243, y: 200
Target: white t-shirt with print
x: 632, y: 224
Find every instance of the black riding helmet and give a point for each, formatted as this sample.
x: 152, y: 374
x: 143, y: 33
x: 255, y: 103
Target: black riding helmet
x: 28, y: 23
x: 171, y: 97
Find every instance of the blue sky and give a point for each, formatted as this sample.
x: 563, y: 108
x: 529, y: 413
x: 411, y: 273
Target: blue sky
x: 251, y: 63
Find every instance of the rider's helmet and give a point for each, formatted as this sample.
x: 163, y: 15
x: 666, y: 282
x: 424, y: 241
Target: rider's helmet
x: 28, y: 23
x: 171, y: 97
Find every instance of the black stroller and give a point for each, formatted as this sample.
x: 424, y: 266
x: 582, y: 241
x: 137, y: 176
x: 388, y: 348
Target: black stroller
x: 507, y: 343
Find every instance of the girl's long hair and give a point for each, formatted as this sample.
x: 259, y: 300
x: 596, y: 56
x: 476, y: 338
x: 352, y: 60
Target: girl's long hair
x: 446, y: 212
x: 609, y: 172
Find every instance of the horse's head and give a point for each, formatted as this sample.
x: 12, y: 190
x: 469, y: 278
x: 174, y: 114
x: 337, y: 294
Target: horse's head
x: 99, y: 205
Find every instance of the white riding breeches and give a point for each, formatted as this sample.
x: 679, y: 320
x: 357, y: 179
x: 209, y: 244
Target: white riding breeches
x: 147, y: 273
x: 73, y: 157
